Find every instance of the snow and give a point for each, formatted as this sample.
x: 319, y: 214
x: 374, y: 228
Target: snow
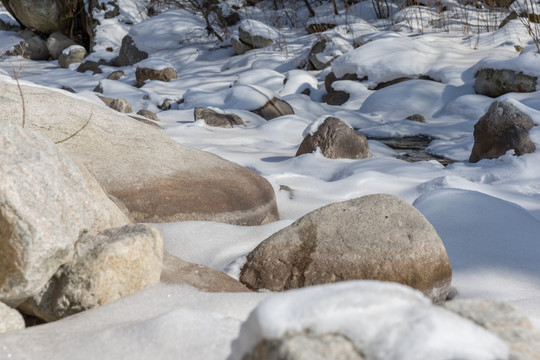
x: 486, y: 213
x: 383, y: 320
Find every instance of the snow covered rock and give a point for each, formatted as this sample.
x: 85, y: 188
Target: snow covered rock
x: 156, y: 178
x: 239, y: 47
x: 178, y: 271
x: 257, y: 34
x: 337, y: 97
x: 378, y: 237
x: 306, y: 345
x: 71, y: 55
x: 154, y: 69
x: 502, y: 128
x: 129, y: 53
x: 496, y: 82
x: 503, y: 320
x: 57, y: 43
x: 214, y: 118
x: 325, y: 51
x: 381, y: 320
x: 335, y: 139
x: 44, y: 207
x: 44, y: 16
x: 10, y: 319
x: 106, y: 267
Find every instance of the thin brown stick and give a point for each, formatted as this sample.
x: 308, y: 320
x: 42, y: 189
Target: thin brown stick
x: 76, y: 132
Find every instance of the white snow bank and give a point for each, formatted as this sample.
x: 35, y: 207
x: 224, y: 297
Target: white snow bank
x: 156, y: 63
x: 383, y: 320
x: 493, y: 245
x: 257, y: 28
x: 241, y: 97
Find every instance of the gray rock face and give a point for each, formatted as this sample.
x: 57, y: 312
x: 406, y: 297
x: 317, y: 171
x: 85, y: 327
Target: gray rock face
x: 503, y: 320
x: 44, y: 207
x: 262, y: 37
x: 143, y: 74
x: 376, y: 237
x: 72, y: 55
x: 502, y: 128
x: 336, y: 140
x: 129, y: 53
x: 42, y: 15
x: 273, y: 109
x: 304, y: 346
x: 213, y: 118
x: 178, y: 271
x: 194, y: 186
x: 57, y: 42
x: 10, y: 319
x: 106, y: 267
x: 314, y: 62
x: 494, y: 83
x: 239, y: 47
x: 337, y: 97
x: 33, y: 48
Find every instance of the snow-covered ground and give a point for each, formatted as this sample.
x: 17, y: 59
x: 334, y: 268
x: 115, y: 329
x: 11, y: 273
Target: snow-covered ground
x: 487, y: 213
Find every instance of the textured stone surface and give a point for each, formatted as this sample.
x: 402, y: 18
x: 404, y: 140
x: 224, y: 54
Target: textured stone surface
x: 337, y: 97
x: 336, y: 140
x: 10, y: 319
x: 72, y: 55
x: 106, y: 267
x: 157, y: 179
x: 494, y: 82
x: 214, y: 118
x: 304, y: 346
x: 503, y: 320
x: 377, y: 237
x: 143, y: 74
x: 116, y: 75
x: 57, y: 42
x: 129, y: 53
x: 257, y: 34
x: 273, y: 109
x: 42, y: 15
x: 34, y: 48
x: 148, y: 114
x: 178, y: 271
x: 502, y: 128
x: 239, y: 47
x: 314, y: 62
x: 44, y: 207
x: 120, y: 105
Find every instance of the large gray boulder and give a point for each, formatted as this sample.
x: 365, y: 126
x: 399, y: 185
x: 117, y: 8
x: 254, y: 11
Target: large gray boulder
x: 376, y: 237
x: 105, y: 267
x: 502, y: 128
x: 57, y: 42
x: 42, y: 15
x: 336, y: 140
x: 496, y: 82
x: 129, y: 53
x: 44, y: 208
x: 156, y: 178
x: 33, y: 48
x: 10, y: 319
x: 503, y: 320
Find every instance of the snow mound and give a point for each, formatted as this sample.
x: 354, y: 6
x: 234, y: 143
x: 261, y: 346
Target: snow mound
x: 383, y: 320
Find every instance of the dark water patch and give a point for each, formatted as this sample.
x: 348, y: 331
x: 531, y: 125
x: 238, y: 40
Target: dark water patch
x: 413, y: 148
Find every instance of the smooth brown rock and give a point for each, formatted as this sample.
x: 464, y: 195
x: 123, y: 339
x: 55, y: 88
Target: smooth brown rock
x: 178, y: 271
x: 213, y: 118
x: 144, y: 74
x: 273, y: 109
x: 157, y: 179
x: 375, y: 237
x: 336, y: 140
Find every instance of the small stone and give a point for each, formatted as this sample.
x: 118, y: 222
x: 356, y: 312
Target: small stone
x: 214, y: 118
